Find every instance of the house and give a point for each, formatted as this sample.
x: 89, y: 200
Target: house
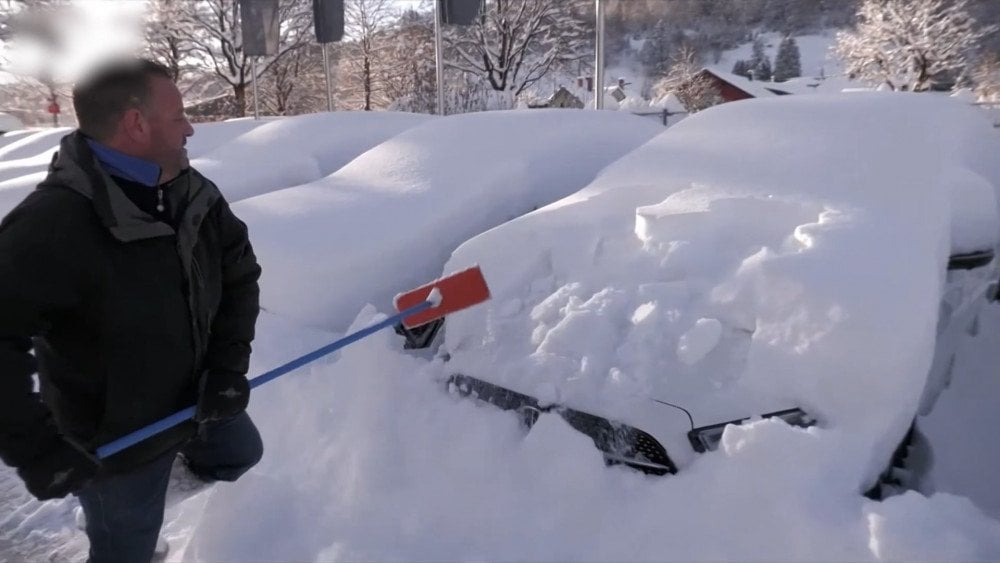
x: 733, y: 87
x: 562, y: 98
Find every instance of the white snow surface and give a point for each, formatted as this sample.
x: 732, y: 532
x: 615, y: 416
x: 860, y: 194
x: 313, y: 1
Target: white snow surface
x: 296, y: 150
x: 438, y: 184
x: 796, y: 247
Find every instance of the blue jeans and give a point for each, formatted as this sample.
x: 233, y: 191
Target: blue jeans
x: 125, y: 511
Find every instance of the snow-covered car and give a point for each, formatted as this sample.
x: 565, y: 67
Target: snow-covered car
x: 818, y: 260
x: 440, y: 182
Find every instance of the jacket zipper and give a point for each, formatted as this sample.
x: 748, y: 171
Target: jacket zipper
x: 159, y: 199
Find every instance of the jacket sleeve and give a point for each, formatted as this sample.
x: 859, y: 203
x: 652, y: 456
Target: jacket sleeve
x: 36, y: 279
x: 235, y: 321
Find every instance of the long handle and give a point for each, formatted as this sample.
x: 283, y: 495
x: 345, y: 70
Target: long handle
x: 188, y: 413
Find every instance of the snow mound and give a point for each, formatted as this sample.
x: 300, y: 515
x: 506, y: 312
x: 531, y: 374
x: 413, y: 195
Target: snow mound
x: 439, y: 184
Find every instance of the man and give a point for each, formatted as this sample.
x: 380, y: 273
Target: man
x: 136, y: 287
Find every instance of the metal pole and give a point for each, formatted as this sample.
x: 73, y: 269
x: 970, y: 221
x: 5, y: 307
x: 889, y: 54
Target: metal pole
x: 599, y: 58
x: 326, y: 68
x: 256, y: 106
x: 439, y: 57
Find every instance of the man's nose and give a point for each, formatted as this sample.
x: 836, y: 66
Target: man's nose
x: 189, y: 131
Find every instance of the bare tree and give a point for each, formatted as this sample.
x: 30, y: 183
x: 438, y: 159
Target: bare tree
x: 296, y: 83
x: 517, y: 42
x: 907, y: 44
x: 365, y: 20
x: 211, y: 30
x: 165, y: 33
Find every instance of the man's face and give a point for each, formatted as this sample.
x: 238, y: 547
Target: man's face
x: 167, y: 128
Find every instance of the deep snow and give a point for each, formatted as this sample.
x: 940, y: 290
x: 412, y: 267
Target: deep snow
x: 369, y: 459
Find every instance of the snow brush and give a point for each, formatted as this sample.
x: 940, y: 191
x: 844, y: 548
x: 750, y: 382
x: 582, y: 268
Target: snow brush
x: 416, y: 307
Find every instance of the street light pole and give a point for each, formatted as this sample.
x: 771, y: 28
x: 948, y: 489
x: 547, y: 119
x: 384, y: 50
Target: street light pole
x: 256, y: 106
x: 439, y: 57
x: 599, y: 58
x: 326, y: 69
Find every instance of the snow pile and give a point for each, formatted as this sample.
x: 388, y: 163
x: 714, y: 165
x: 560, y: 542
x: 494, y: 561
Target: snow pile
x: 208, y: 136
x: 322, y: 245
x: 295, y: 150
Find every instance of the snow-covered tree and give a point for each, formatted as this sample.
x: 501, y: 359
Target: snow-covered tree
x: 759, y: 64
x: 907, y: 44
x: 210, y: 30
x: 986, y: 76
x: 409, y: 76
x: 695, y: 91
x: 788, y: 61
x: 164, y: 40
x: 517, y: 42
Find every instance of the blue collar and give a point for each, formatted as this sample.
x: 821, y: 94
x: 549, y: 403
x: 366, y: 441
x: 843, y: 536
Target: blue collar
x: 126, y: 166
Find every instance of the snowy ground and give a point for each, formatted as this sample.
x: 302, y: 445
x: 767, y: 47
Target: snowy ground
x: 368, y: 458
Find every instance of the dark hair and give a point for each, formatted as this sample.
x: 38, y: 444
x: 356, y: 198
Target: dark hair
x: 101, y: 98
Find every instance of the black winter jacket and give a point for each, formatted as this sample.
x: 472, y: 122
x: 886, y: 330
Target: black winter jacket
x: 124, y: 312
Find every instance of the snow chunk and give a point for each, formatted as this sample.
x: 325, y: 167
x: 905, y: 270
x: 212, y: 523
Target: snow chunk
x: 696, y: 343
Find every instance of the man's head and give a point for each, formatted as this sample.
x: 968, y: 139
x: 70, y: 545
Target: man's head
x: 135, y: 107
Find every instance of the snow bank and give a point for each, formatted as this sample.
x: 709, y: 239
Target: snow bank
x: 40, y: 142
x: 11, y: 136
x: 295, y: 150
x: 321, y: 244
x: 208, y: 136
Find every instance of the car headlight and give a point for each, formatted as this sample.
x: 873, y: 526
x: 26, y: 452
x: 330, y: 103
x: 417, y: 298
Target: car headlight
x: 706, y: 438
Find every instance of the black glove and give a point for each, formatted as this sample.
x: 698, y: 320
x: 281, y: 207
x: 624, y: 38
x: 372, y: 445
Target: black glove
x: 221, y: 395
x: 58, y: 470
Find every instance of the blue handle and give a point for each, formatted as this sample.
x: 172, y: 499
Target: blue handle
x: 128, y: 440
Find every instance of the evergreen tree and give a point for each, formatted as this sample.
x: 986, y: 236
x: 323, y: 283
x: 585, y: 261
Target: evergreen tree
x: 741, y: 68
x: 657, y: 50
x: 760, y: 64
x: 788, y: 61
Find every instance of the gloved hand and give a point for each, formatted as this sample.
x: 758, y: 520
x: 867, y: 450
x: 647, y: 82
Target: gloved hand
x: 221, y: 395
x: 58, y: 470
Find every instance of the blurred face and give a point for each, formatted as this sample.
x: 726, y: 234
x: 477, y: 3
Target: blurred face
x: 158, y: 132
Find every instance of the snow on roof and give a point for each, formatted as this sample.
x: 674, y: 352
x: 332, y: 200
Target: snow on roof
x: 755, y: 88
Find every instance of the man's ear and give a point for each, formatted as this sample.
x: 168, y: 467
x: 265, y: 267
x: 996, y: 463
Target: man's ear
x: 135, y: 125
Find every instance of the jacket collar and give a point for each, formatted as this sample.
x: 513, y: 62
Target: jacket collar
x: 77, y: 167
x: 122, y: 165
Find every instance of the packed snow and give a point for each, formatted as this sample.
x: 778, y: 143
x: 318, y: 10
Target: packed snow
x: 787, y: 249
